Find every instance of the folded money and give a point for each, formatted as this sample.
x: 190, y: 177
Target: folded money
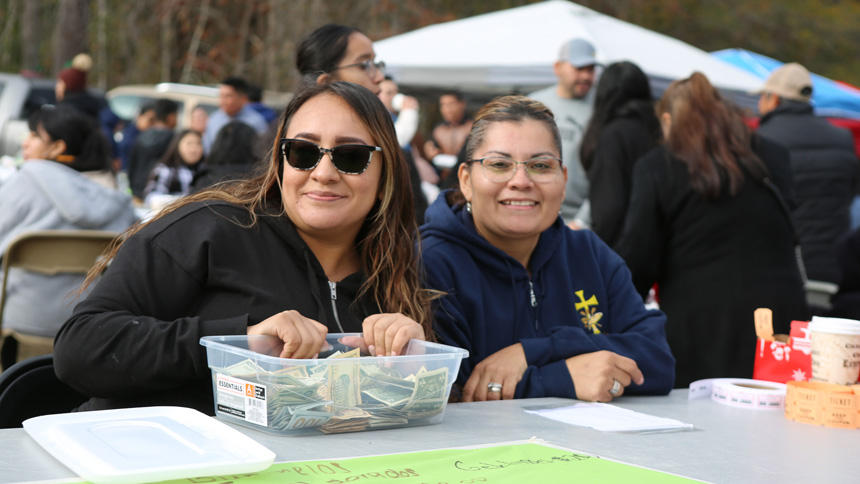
x: 345, y: 396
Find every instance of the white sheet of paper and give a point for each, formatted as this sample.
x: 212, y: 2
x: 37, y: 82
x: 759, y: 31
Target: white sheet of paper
x: 609, y: 418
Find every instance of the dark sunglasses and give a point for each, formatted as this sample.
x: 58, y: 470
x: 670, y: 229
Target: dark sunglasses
x: 305, y: 155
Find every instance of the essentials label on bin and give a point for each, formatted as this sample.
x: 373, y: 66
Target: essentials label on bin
x: 241, y: 399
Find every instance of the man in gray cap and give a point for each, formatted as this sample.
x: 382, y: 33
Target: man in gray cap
x: 571, y: 101
x: 823, y: 163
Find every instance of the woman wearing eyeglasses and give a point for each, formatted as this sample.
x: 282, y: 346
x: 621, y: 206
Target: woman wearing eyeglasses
x: 339, y: 53
x: 542, y: 309
x: 321, y: 242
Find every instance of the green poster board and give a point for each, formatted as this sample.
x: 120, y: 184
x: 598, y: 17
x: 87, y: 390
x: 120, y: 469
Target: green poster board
x: 503, y: 464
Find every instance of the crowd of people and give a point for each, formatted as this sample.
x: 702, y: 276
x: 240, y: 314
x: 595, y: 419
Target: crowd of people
x: 531, y: 234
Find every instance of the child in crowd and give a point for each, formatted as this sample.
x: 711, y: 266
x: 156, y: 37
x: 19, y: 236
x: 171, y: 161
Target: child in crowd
x: 178, y: 167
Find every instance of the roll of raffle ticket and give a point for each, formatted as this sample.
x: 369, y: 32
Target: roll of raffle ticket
x: 740, y: 392
x: 824, y: 404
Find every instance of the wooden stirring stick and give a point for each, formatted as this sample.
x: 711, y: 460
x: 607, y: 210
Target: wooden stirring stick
x: 764, y: 324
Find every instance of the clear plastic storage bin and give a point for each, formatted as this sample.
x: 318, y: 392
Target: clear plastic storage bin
x: 336, y: 392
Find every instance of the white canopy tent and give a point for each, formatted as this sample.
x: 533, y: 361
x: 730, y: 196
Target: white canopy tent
x: 514, y: 50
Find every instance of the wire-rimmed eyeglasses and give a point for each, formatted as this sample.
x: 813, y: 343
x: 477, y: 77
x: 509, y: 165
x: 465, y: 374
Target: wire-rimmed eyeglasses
x: 369, y: 66
x: 500, y: 169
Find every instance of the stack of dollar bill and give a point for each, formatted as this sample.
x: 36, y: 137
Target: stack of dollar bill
x: 345, y: 396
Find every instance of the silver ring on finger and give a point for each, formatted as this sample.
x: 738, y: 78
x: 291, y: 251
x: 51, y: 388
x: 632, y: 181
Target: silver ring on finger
x: 616, y: 387
x: 494, y: 387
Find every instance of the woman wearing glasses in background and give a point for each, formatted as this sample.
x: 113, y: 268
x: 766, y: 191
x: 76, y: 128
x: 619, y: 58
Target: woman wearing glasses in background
x: 321, y: 242
x: 542, y: 309
x: 339, y: 53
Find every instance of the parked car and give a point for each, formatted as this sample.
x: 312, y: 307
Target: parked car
x: 20, y: 96
x: 125, y: 101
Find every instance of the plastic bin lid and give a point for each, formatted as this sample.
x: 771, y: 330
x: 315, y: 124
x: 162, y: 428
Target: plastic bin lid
x: 147, y: 444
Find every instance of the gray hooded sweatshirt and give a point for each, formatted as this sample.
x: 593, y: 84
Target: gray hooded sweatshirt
x: 46, y: 195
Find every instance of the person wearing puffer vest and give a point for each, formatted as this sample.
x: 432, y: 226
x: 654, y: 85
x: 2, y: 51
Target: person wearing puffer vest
x: 824, y: 166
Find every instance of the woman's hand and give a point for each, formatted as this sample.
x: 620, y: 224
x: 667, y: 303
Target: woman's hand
x: 387, y: 334
x: 594, y: 375
x: 302, y: 337
x: 505, y: 367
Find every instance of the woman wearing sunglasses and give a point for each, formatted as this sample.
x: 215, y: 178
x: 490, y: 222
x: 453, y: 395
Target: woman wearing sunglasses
x: 321, y: 242
x: 542, y: 309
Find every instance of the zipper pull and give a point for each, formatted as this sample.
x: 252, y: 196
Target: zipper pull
x: 534, y: 301
x: 333, y: 287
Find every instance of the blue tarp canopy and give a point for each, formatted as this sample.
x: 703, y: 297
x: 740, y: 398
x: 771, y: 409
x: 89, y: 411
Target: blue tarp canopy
x: 828, y: 97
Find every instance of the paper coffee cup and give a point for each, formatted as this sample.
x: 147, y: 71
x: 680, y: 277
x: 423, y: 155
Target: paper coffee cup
x: 835, y: 350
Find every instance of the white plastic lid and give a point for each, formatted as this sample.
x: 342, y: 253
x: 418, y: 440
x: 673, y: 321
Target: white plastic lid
x: 149, y: 444
x: 834, y: 325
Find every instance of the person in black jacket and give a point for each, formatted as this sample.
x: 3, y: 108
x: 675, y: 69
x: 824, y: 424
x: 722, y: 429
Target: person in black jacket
x: 151, y: 145
x: 623, y: 127
x: 71, y: 88
x: 823, y: 163
x: 235, y: 153
x: 323, y: 241
x: 707, y: 223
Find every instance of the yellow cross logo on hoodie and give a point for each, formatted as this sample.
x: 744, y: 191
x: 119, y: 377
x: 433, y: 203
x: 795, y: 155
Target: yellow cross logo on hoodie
x: 590, y: 318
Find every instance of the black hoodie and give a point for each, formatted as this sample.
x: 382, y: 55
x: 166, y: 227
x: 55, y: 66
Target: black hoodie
x: 826, y: 179
x: 200, y: 271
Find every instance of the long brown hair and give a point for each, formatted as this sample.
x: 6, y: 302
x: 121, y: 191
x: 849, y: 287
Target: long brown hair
x: 709, y: 137
x: 386, y: 244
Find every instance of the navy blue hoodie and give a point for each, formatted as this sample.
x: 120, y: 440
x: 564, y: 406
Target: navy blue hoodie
x: 579, y: 299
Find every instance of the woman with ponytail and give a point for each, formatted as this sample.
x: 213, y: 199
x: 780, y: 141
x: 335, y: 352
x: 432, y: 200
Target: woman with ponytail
x: 336, y: 52
x: 708, y: 223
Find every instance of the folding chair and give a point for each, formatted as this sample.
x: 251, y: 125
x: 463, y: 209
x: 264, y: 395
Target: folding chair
x: 48, y: 252
x: 30, y: 388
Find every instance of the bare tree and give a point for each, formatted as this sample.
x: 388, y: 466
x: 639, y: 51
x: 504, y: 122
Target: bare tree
x: 31, y: 35
x: 191, y: 57
x: 101, y: 42
x: 70, y: 34
x: 6, y: 33
x: 168, y: 10
x: 240, y: 68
